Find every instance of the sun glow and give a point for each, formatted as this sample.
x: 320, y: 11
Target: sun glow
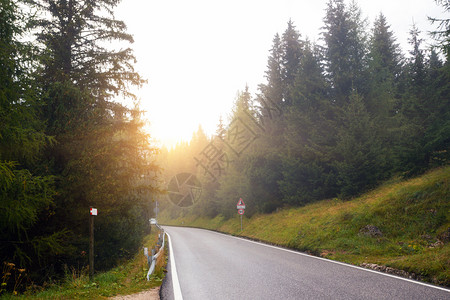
x: 198, y: 54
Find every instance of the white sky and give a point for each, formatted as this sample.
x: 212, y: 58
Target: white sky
x: 197, y: 54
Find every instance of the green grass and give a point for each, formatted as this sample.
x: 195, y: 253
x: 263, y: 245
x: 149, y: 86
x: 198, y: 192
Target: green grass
x: 127, y: 278
x: 412, y: 215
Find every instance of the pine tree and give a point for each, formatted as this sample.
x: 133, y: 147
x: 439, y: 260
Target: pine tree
x: 360, y: 157
x: 416, y: 64
x: 271, y: 94
x: 345, y: 48
x: 199, y: 141
x: 26, y: 192
x: 437, y: 123
x: 292, y: 48
x: 101, y: 152
x: 309, y: 135
x: 439, y: 78
x: 270, y: 100
x: 79, y: 74
x: 384, y: 71
x: 442, y: 33
x: 384, y: 67
x: 220, y: 130
x: 424, y: 111
x: 410, y: 154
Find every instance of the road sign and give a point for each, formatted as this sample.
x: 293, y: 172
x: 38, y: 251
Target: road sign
x: 93, y: 211
x: 240, y: 204
x: 241, y: 211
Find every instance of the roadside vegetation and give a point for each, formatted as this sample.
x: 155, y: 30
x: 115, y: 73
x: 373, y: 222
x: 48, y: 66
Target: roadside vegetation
x: 331, y: 120
x: 403, y: 224
x: 128, y: 278
x: 68, y: 141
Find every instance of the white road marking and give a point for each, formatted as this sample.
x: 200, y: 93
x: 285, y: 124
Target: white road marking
x: 333, y: 261
x: 175, y: 283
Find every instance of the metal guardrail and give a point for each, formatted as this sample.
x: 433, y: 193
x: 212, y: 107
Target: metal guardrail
x: 151, y: 259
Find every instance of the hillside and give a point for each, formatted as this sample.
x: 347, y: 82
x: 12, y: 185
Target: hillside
x: 403, y: 226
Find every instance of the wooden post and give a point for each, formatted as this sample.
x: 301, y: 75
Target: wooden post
x: 91, y: 246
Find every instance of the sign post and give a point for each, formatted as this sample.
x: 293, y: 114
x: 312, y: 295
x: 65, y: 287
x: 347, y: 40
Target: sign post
x: 93, y: 212
x: 156, y: 209
x: 241, y: 209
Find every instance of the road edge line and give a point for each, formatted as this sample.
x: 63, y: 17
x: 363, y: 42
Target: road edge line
x: 334, y: 261
x: 175, y: 283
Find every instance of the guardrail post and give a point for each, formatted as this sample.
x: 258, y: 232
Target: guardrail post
x: 156, y: 251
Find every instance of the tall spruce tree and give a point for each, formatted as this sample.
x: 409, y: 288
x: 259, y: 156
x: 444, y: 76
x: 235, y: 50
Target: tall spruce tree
x: 292, y: 48
x: 234, y: 183
x: 26, y: 193
x: 411, y: 155
x: 359, y: 155
x: 101, y: 150
x: 416, y: 63
x: 269, y: 101
x: 345, y: 44
x: 384, y: 68
x: 310, y: 133
x: 271, y: 93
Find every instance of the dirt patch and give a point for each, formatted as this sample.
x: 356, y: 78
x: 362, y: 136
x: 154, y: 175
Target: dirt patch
x: 152, y: 294
x: 326, y: 253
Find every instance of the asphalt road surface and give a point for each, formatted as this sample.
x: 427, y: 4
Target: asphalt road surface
x: 209, y: 265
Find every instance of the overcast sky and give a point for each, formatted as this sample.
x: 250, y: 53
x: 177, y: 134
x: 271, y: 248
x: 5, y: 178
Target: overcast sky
x: 198, y: 54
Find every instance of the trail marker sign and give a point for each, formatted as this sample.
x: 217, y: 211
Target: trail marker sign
x: 240, y: 204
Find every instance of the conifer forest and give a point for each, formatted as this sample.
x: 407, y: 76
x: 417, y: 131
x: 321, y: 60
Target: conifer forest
x: 333, y: 118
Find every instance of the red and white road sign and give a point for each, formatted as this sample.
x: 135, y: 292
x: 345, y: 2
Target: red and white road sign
x: 93, y: 211
x: 240, y: 204
x: 241, y: 211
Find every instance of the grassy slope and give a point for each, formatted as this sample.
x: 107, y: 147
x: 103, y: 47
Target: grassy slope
x: 412, y: 215
x: 128, y: 278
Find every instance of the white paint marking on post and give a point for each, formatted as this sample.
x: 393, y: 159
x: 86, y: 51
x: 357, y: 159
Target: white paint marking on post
x: 175, y: 283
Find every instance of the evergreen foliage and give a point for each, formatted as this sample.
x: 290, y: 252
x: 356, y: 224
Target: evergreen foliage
x: 26, y: 194
x: 65, y: 143
x: 333, y: 119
